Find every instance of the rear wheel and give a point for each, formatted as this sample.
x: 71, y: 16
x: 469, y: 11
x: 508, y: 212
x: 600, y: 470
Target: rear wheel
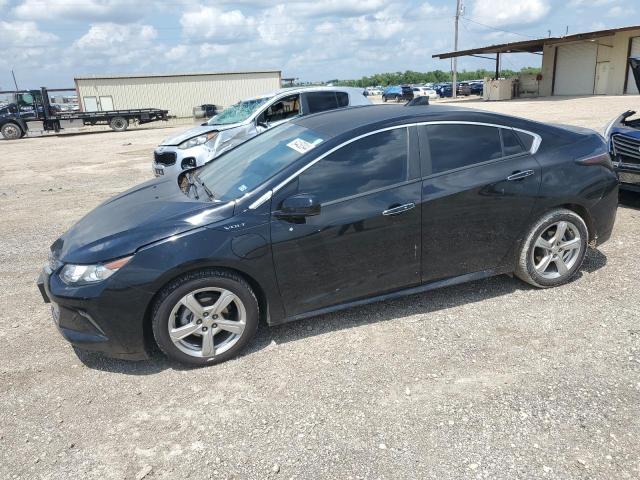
x: 119, y: 124
x: 554, y: 249
x: 11, y: 131
x: 205, y: 317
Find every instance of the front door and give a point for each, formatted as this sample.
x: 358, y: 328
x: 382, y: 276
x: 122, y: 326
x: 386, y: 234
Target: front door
x: 366, y: 239
x: 480, y: 189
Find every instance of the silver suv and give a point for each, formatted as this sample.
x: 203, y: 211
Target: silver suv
x: 246, y: 119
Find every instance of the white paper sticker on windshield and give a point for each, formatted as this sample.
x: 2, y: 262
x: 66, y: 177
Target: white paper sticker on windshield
x: 302, y: 146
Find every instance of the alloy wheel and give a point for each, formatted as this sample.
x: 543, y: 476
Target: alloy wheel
x: 207, y: 322
x: 556, y: 250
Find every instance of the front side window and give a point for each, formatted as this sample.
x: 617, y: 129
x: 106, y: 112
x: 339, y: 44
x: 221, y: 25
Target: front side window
x: 239, y: 171
x: 461, y: 145
x: 372, y: 162
x: 343, y: 99
x: 321, y: 101
x: 284, y: 109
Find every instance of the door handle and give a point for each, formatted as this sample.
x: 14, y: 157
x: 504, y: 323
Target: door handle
x: 520, y: 175
x: 399, y: 209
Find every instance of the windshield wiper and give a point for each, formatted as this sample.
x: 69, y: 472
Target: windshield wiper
x: 192, y: 184
x: 207, y: 190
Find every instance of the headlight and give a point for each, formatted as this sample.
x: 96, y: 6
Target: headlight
x: 85, y: 274
x: 199, y: 140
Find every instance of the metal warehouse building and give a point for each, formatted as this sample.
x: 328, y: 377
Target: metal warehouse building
x: 590, y: 63
x: 176, y: 93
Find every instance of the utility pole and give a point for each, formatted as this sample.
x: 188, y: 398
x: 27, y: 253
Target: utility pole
x: 454, y: 76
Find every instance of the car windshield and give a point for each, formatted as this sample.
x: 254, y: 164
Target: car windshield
x: 239, y: 171
x: 238, y: 112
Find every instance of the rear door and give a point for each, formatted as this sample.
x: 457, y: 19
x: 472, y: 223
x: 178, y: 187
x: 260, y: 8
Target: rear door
x: 479, y: 188
x: 366, y: 239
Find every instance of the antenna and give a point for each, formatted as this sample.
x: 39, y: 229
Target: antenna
x: 14, y: 80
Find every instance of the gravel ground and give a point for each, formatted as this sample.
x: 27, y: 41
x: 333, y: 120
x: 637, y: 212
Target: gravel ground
x: 490, y: 379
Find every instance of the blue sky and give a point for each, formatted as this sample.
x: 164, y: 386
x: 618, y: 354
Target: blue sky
x: 48, y: 42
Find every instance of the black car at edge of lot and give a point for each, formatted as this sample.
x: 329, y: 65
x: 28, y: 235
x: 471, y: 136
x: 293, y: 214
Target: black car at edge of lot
x: 325, y: 212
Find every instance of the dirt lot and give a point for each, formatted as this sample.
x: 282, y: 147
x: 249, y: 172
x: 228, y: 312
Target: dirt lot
x: 491, y: 379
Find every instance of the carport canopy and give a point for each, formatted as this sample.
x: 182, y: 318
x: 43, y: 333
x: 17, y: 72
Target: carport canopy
x: 534, y: 46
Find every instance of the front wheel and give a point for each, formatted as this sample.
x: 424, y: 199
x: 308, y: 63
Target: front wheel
x: 11, y: 131
x: 205, y: 317
x: 554, y: 249
x: 119, y: 124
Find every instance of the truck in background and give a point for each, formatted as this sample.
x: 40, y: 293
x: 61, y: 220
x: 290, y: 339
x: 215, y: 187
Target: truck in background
x: 32, y: 110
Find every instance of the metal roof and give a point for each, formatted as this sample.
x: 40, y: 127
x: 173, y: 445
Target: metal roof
x: 170, y: 75
x: 534, y: 45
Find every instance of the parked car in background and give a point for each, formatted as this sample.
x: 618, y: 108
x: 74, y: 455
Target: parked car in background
x: 476, y: 87
x: 398, y: 93
x: 446, y: 89
x: 329, y: 211
x: 374, y: 91
x: 623, y: 134
x: 425, y: 92
x: 246, y: 119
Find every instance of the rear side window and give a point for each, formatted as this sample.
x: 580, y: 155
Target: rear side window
x: 526, y: 139
x: 456, y: 146
x: 372, y: 162
x: 343, y: 99
x: 510, y: 143
x: 321, y: 101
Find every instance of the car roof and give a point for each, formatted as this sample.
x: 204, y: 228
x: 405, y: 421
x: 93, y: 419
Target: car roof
x: 319, y: 88
x: 335, y: 123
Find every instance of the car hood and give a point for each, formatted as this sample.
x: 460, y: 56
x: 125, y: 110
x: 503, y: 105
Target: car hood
x: 195, y: 131
x: 144, y: 214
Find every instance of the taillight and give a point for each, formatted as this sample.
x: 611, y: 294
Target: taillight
x: 602, y: 159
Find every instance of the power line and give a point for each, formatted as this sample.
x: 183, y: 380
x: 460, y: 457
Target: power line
x: 467, y: 19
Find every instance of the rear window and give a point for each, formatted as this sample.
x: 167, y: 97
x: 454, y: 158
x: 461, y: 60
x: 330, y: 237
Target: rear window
x: 510, y: 143
x: 321, y: 101
x: 526, y: 139
x: 456, y: 146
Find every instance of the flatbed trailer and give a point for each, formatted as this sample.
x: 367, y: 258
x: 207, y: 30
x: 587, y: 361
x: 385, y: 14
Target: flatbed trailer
x: 30, y: 110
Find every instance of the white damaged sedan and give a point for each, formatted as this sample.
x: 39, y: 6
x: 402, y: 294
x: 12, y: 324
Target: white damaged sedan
x: 246, y: 119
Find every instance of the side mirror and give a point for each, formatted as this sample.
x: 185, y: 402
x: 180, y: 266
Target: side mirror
x: 299, y: 206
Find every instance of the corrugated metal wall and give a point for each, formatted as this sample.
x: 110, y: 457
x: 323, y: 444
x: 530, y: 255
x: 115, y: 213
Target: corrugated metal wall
x: 178, y: 94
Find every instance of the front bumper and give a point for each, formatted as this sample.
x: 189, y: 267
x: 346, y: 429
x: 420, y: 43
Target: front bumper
x: 171, y: 160
x: 629, y: 176
x: 89, y: 318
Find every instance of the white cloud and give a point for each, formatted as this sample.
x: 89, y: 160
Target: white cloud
x: 23, y: 34
x: 120, y: 44
x: 87, y: 10
x: 498, y: 13
x: 212, y: 23
x: 25, y: 45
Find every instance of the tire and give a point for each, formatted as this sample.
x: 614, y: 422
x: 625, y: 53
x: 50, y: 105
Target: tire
x: 547, y: 261
x: 384, y: 99
x: 11, y: 131
x: 208, y: 288
x: 119, y: 124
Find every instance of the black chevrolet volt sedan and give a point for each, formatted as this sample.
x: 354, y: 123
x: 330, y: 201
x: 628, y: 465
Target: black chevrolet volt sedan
x: 329, y: 211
